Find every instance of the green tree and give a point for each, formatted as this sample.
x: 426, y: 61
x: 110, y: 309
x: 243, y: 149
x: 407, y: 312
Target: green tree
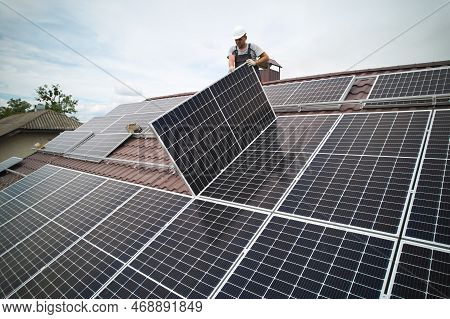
x: 14, y: 106
x: 54, y: 99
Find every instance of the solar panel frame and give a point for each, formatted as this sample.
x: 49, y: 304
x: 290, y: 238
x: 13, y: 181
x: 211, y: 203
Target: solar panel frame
x: 419, y: 267
x: 6, y: 164
x: 59, y: 145
x: 266, y: 226
x: 418, y: 224
x: 98, y: 147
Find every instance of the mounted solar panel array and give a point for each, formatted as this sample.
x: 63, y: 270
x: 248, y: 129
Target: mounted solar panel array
x: 363, y: 174
x: 325, y: 90
x: 9, y: 163
x: 429, y: 216
x: 205, y: 133
x: 410, y: 84
x: 73, y: 239
x: 264, y: 171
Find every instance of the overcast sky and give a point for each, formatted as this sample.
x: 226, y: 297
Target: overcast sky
x: 168, y: 47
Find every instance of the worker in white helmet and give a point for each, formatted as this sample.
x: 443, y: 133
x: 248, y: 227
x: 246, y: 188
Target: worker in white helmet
x: 244, y: 52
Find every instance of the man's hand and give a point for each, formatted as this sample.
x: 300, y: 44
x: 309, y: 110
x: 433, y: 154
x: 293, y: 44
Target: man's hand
x: 230, y: 69
x: 251, y: 62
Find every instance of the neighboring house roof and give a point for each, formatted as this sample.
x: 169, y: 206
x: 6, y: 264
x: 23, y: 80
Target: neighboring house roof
x: 148, y: 150
x: 47, y: 120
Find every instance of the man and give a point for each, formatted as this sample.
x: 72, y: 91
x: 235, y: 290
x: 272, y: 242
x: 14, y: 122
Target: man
x: 244, y: 52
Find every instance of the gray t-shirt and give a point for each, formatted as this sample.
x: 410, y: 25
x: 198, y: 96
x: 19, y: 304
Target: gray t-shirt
x: 254, y: 50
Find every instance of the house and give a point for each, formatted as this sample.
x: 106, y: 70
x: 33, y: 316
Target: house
x: 344, y: 202
x: 20, y: 132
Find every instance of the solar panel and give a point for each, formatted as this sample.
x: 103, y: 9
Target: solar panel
x: 90, y: 210
x: 30, y: 180
x: 78, y: 273
x: 265, y: 170
x: 429, y: 216
x: 128, y: 108
x: 361, y: 191
x: 325, y: 90
x: 165, y: 104
x: 29, y: 256
x: 439, y: 142
x: 131, y: 226
x: 421, y: 272
x: 66, y: 141
x: 278, y: 94
x: 142, y: 119
x: 98, y: 124
x: 40, y: 191
x: 379, y: 134
x: 199, y: 134
x: 195, y: 251
x: 10, y: 210
x: 412, y: 83
x: 18, y: 228
x: 98, y: 147
x: 130, y: 284
x: 4, y: 198
x: 294, y: 259
x: 9, y: 162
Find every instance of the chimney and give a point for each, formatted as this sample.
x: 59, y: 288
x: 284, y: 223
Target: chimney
x: 39, y: 107
x: 272, y: 73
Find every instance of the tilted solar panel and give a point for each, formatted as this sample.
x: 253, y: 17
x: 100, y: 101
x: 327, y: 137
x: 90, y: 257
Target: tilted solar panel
x: 201, y: 135
x: 30, y: 180
x: 278, y: 94
x: 128, y: 108
x: 164, y: 104
x: 9, y: 162
x: 98, y: 124
x: 294, y: 259
x: 141, y: 119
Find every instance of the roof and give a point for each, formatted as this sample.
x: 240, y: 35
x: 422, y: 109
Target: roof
x: 47, y: 120
x: 145, y: 154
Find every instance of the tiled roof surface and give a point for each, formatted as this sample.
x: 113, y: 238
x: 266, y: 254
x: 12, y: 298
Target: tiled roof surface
x: 47, y: 120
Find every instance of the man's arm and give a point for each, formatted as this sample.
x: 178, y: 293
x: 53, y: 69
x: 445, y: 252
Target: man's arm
x: 263, y: 59
x: 231, y: 61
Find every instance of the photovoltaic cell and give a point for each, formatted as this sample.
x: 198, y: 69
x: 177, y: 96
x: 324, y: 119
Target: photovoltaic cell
x: 379, y: 134
x: 66, y: 141
x: 30, y: 180
x: 277, y: 94
x: 130, y: 227
x: 427, y: 82
x: 9, y: 162
x: 199, y: 133
x: 320, y: 90
x: 94, y: 207
x: 362, y: 191
x: 439, y: 143
x: 77, y: 273
x: 293, y: 259
x: 4, y: 198
x: 142, y: 119
x: 10, y: 210
x: 422, y: 272
x: 18, y: 228
x: 98, y: 124
x: 195, y: 251
x: 28, y: 257
x: 98, y: 146
x: 130, y: 284
x: 265, y: 170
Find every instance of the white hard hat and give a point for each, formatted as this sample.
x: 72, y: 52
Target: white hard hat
x: 238, y: 32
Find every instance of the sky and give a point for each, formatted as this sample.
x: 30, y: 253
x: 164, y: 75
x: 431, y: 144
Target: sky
x: 167, y: 47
